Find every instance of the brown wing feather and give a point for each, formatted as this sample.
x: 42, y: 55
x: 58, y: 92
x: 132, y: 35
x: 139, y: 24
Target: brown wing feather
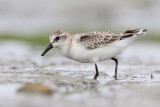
x: 99, y: 39
x: 93, y: 41
x: 129, y: 33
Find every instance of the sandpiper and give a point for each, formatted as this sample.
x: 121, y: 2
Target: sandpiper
x: 94, y: 46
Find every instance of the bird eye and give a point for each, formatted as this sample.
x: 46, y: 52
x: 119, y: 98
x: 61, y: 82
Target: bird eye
x: 57, y: 38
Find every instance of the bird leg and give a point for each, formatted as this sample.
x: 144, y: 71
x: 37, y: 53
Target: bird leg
x: 97, y: 73
x: 116, y: 67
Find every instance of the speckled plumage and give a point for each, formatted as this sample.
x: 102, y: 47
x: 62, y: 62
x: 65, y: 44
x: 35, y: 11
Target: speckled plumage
x: 99, y: 39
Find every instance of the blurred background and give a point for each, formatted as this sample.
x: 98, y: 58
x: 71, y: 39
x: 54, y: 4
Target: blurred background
x: 25, y: 26
x: 33, y: 21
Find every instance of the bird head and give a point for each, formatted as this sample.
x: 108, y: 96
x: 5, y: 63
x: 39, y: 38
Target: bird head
x: 57, y: 39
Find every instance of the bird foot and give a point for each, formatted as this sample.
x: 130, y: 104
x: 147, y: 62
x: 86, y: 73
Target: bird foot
x: 115, y: 77
x: 95, y: 78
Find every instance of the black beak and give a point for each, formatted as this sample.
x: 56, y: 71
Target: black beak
x: 47, y: 49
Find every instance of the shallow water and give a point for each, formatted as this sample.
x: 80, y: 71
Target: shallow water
x: 71, y: 82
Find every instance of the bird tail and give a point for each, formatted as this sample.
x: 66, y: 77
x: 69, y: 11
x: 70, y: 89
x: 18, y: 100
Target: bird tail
x: 135, y: 32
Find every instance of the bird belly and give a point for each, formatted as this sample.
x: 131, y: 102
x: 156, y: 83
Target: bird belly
x: 85, y: 55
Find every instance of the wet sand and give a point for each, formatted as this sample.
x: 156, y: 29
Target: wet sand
x: 72, y: 82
